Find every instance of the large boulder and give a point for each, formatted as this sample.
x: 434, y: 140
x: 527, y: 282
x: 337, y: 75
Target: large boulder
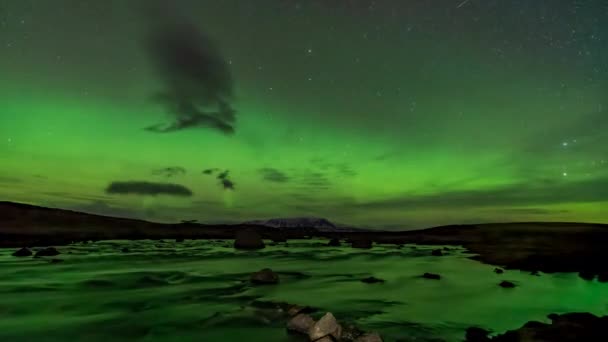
x: 49, y: 251
x: 369, y: 337
x: 327, y: 326
x: 265, y: 276
x: 23, y: 252
x: 248, y: 239
x: 301, y: 323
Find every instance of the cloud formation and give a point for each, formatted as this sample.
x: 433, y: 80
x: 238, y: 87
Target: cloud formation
x: 225, y: 181
x: 223, y: 177
x: 169, y: 172
x: 273, y: 175
x: 147, y: 189
x: 198, y: 83
x: 519, y: 194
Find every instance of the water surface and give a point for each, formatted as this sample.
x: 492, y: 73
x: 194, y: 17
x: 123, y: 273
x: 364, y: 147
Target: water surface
x: 198, y: 291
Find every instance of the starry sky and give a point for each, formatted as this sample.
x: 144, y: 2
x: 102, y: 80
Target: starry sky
x: 385, y: 114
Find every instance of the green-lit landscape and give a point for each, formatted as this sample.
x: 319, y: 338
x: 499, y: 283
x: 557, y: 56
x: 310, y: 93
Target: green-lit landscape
x: 306, y: 170
x: 200, y: 291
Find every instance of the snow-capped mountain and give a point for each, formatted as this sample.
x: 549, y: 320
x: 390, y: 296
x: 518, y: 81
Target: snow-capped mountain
x: 295, y: 222
x: 320, y: 224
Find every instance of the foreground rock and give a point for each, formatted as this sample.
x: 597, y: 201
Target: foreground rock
x: 265, y: 276
x: 301, y: 324
x: 431, y: 276
x: 437, y: 252
x: 372, y: 280
x: 49, y: 251
x: 23, y: 252
x: 507, y: 284
x: 571, y: 327
x: 326, y: 327
x: 475, y: 334
x: 248, y: 239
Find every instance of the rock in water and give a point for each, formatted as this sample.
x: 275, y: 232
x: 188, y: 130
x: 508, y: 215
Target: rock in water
x: 265, y: 276
x: 334, y: 242
x: 372, y: 280
x: 436, y: 252
x: 301, y: 323
x: 475, y: 334
x: 586, y: 275
x: 248, y: 239
x: 370, y: 337
x: 49, y: 251
x: 506, y: 284
x: 327, y: 326
x: 362, y: 243
x: 431, y: 276
x: 23, y: 252
x: 571, y: 327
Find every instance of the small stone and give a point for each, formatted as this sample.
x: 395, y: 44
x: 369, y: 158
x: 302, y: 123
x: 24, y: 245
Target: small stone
x: 499, y: 270
x: 431, y: 276
x: 49, y: 251
x: 23, y: 252
x: 300, y: 323
x: 436, y: 252
x: 372, y: 280
x: 506, y: 284
x: 265, y: 276
x: 326, y: 326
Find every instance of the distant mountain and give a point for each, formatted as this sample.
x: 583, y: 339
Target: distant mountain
x: 320, y: 224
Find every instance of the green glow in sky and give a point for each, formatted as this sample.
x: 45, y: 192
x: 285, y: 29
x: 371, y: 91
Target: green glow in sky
x: 397, y: 116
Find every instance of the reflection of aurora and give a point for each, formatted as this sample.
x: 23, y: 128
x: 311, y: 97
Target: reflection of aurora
x: 198, y: 290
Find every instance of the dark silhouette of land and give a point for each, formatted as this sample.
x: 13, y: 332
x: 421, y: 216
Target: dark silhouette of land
x: 546, y: 247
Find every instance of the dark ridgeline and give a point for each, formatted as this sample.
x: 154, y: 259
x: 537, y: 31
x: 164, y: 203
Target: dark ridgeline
x: 533, y: 247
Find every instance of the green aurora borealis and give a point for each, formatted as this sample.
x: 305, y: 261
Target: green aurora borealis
x: 387, y: 114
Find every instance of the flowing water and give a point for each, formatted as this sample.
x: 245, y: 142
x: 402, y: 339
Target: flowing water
x: 199, y: 291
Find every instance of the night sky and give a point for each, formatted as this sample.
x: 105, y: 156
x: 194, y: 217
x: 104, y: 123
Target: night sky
x: 386, y: 114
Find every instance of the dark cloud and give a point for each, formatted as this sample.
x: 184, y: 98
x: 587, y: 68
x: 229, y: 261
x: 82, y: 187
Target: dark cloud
x: 225, y: 181
x: 198, y: 83
x: 227, y: 184
x: 210, y: 171
x: 317, y: 180
x: 169, y: 172
x: 147, y: 189
x: 273, y: 175
x: 340, y: 169
x: 521, y: 194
